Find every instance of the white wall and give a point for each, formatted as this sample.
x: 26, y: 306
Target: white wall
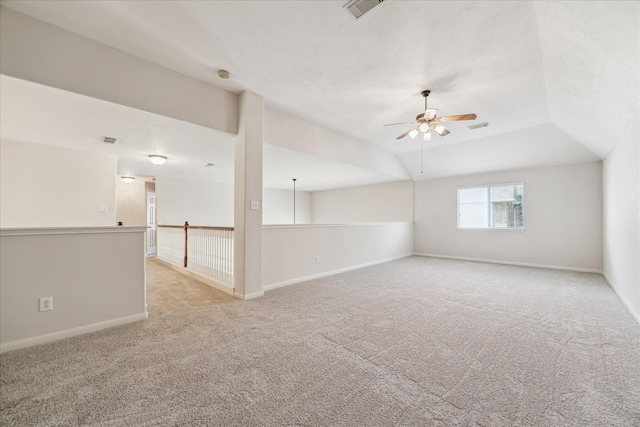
x: 285, y: 130
x: 371, y: 203
x: 131, y: 202
x: 199, y: 202
x: 39, y: 52
x: 211, y: 203
x: 289, y: 252
x: 563, y: 219
x: 621, y: 211
x: 96, y: 277
x: 278, y: 206
x: 47, y: 186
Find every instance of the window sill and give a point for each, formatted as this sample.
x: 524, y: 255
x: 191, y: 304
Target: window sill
x: 491, y: 229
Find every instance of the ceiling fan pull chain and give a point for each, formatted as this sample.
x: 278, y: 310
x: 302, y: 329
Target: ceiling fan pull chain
x: 421, y: 151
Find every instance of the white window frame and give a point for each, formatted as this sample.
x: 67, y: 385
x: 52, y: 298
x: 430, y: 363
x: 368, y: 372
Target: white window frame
x: 489, y: 210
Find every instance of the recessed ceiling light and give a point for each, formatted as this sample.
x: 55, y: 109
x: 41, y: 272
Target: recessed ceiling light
x: 208, y: 165
x: 109, y: 140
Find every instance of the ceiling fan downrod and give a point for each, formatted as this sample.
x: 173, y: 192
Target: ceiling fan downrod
x: 425, y: 93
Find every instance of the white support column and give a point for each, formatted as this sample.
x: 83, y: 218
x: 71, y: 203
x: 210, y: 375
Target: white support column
x: 247, y: 268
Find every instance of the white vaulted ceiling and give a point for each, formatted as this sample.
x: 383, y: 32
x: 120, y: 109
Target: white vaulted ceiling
x: 556, y: 81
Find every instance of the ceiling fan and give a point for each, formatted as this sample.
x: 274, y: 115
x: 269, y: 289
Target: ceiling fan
x: 428, y: 121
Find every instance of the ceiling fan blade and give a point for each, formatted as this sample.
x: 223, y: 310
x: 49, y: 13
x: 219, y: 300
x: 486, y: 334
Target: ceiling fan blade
x: 403, y: 123
x: 440, y: 130
x: 430, y: 113
x: 456, y: 118
x: 407, y: 132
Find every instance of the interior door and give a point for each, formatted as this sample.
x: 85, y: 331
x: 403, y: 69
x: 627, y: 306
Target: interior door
x: 151, y: 223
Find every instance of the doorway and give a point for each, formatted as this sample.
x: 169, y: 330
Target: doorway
x: 151, y: 224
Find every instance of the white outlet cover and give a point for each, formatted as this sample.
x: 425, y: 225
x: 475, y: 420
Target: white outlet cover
x: 255, y: 204
x: 46, y: 303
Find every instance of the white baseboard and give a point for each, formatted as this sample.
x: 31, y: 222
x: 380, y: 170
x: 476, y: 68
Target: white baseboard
x: 253, y: 295
x: 520, y: 264
x: 210, y: 282
x: 55, y: 336
x: 626, y: 304
x: 330, y: 273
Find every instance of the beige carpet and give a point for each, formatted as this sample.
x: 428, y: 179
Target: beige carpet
x: 414, y: 342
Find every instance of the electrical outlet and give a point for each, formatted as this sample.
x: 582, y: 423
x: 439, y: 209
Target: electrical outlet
x: 317, y: 259
x: 46, y: 303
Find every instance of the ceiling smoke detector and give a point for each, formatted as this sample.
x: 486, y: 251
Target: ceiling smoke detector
x: 360, y: 7
x: 109, y: 140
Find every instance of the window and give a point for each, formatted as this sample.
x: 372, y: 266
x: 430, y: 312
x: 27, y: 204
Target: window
x: 496, y: 206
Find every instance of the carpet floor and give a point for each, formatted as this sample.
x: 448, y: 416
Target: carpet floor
x: 413, y: 342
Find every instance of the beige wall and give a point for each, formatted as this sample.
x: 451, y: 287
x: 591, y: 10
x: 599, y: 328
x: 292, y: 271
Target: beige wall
x: 47, y: 186
x: 96, y: 277
x: 131, y: 202
x: 621, y: 207
x: 289, y: 252
x: 371, y: 203
x: 563, y: 219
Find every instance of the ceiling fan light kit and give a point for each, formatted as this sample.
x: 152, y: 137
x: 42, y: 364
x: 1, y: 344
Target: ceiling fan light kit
x: 427, y: 121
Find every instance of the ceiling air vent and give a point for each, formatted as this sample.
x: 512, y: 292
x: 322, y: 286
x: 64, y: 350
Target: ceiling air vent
x: 360, y: 7
x: 109, y: 140
x: 479, y: 125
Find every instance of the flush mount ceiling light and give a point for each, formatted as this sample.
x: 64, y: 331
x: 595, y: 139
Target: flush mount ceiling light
x: 223, y: 74
x: 157, y: 159
x: 128, y: 179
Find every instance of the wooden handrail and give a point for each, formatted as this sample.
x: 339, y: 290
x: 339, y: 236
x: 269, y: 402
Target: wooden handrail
x: 186, y: 243
x: 199, y: 227
x: 186, y: 228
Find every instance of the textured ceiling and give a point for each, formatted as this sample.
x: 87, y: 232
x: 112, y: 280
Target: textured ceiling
x: 556, y: 81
